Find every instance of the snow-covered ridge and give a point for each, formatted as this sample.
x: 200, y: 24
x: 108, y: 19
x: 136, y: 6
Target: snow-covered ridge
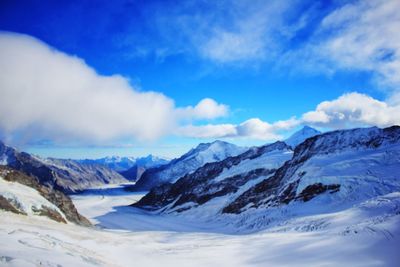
x: 217, y: 179
x: 24, y: 194
x: 327, y: 172
x: 28, y: 201
x: 188, y: 163
x: 301, y: 135
x: 339, y: 168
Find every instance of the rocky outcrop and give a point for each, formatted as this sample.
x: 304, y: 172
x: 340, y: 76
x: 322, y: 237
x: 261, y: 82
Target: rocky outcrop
x: 54, y: 196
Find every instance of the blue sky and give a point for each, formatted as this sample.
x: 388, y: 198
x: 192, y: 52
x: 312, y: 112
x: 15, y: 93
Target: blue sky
x: 256, y: 63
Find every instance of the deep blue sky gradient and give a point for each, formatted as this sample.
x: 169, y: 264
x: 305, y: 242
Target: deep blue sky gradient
x: 134, y: 38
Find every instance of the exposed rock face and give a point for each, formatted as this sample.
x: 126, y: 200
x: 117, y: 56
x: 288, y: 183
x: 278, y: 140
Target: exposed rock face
x: 65, y: 175
x: 216, y: 179
x: 313, y: 167
x: 188, y: 163
x: 54, y: 196
x: 7, y: 205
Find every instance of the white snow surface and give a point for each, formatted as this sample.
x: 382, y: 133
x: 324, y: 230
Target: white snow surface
x: 364, y: 235
x: 270, y: 160
x: 25, y: 198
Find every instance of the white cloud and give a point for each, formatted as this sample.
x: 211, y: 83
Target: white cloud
x: 352, y: 110
x: 347, y: 111
x: 208, y: 131
x: 252, y: 129
x: 47, y: 94
x: 205, y: 109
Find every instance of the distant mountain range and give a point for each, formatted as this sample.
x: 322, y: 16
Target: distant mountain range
x: 129, y: 167
x: 62, y: 174
x: 115, y: 163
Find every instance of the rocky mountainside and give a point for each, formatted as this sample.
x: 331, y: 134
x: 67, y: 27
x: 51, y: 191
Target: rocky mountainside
x: 188, y: 163
x: 330, y: 171
x: 23, y: 194
x: 345, y: 166
x: 217, y: 179
x: 65, y: 175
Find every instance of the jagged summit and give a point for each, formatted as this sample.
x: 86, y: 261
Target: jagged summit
x: 301, y: 135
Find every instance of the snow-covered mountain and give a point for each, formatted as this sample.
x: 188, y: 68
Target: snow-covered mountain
x: 340, y: 168
x: 62, y: 174
x: 23, y: 194
x: 141, y: 165
x: 189, y: 162
x: 301, y: 135
x: 327, y: 172
x: 115, y: 163
x: 218, y: 179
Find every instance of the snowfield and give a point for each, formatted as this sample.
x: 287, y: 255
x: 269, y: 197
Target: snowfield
x: 364, y: 235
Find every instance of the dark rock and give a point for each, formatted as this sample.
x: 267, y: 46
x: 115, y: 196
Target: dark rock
x: 314, y: 190
x: 50, y: 213
x: 7, y: 205
x: 58, y: 198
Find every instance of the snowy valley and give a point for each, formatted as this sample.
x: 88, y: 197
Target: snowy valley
x: 316, y: 199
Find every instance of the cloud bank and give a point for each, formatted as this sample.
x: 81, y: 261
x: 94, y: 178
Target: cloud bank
x: 347, y: 111
x: 47, y: 94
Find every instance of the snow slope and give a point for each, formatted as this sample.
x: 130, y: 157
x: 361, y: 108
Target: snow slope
x: 26, y: 199
x: 366, y: 235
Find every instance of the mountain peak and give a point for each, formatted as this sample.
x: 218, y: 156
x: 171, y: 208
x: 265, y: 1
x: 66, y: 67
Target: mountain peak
x: 301, y: 135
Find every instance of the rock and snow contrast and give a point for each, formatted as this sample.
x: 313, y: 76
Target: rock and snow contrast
x: 330, y: 199
x: 327, y: 172
x: 188, y: 163
x: 23, y: 194
x: 366, y: 235
x: 63, y: 174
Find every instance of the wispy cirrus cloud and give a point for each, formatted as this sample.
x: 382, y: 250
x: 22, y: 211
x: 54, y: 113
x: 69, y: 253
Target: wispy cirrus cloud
x: 356, y: 36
